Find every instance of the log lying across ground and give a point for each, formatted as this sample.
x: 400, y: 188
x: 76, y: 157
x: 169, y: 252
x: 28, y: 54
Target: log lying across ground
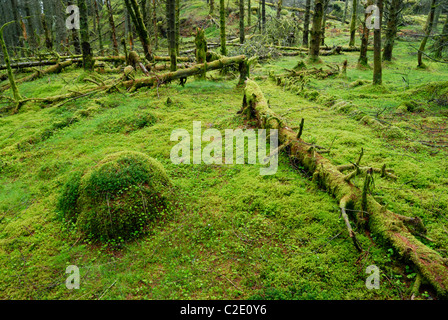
x: 329, y: 16
x: 39, y: 73
x: 184, y: 73
x: 392, y: 228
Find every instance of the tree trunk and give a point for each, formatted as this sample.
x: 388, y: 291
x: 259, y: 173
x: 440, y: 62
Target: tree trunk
x: 212, y: 6
x: 344, y: 17
x: 112, y: 27
x: 442, y: 41
x: 306, y: 24
x: 353, y: 23
x: 362, y: 61
x: 390, y: 228
x: 87, y: 55
x: 30, y: 23
x: 201, y: 50
x: 391, y: 30
x: 98, y: 21
x: 177, y: 26
x: 249, y: 14
x: 427, y: 30
x: 171, y: 24
x: 137, y: 19
x: 377, y: 67
x: 241, y: 6
x: 263, y: 14
x: 154, y: 23
x: 48, y: 40
x: 313, y: 55
x: 15, y: 91
x: 279, y: 8
x: 222, y: 25
x: 324, y: 21
x: 183, y: 73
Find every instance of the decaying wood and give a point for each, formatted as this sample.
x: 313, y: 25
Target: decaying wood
x: 389, y: 227
x: 184, y: 73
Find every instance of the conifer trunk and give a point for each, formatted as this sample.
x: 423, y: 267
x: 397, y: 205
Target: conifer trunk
x: 137, y: 19
x: 241, y: 7
x: 427, y: 30
x: 391, y: 30
x: 222, y: 25
x: 15, y: 91
x: 87, y: 55
x: 353, y: 23
x: 377, y: 67
x: 171, y: 24
x: 112, y: 28
x: 315, y: 31
x: 306, y: 24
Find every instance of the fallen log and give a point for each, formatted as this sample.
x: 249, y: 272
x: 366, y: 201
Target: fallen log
x: 39, y: 73
x: 184, y: 73
x: 391, y: 228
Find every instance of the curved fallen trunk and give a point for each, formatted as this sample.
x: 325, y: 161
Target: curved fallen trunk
x: 53, y: 69
x: 183, y: 73
x: 392, y: 228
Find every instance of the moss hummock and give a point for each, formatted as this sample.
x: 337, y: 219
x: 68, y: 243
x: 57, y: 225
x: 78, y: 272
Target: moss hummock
x: 118, y: 198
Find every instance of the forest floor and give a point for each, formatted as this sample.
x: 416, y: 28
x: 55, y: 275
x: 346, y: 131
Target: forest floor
x: 240, y: 235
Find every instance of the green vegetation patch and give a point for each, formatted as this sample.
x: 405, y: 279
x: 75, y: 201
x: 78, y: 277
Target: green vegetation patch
x: 118, y: 198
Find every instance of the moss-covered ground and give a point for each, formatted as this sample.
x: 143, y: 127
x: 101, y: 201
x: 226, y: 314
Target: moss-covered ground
x: 236, y: 234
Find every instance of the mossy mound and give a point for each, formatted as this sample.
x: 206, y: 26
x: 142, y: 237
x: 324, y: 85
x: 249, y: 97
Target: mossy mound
x: 119, y: 198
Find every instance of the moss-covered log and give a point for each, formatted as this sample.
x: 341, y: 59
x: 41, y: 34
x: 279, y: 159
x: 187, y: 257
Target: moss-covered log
x: 392, y: 228
x: 184, y: 73
x: 39, y: 73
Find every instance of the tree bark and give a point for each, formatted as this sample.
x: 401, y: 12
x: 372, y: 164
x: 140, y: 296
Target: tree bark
x: 87, y: 55
x: 442, y: 41
x: 315, y: 31
x: 241, y: 17
x: 112, y: 27
x: 353, y: 23
x: 306, y: 24
x: 222, y: 25
x: 137, y: 19
x: 15, y: 91
x: 391, y: 30
x: 377, y: 67
x: 427, y: 30
x: 183, y: 73
x: 171, y: 24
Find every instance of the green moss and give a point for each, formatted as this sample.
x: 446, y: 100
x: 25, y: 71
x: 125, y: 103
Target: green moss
x: 118, y: 197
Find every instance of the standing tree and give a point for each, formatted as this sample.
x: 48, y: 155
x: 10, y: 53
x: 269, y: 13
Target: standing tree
x: 279, y: 8
x: 313, y: 54
x: 98, y: 21
x: 441, y: 41
x: 222, y: 24
x: 212, y: 6
x: 201, y: 51
x: 15, y: 91
x: 154, y: 23
x: 112, y: 27
x: 392, y: 28
x: 324, y: 21
x: 377, y: 67
x: 306, y: 23
x: 137, y: 19
x: 353, y: 23
x: 87, y: 55
x: 427, y: 30
x: 344, y: 16
x: 263, y: 14
x: 249, y: 15
x: 362, y: 61
x: 177, y: 26
x: 241, y: 6
x: 171, y: 24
